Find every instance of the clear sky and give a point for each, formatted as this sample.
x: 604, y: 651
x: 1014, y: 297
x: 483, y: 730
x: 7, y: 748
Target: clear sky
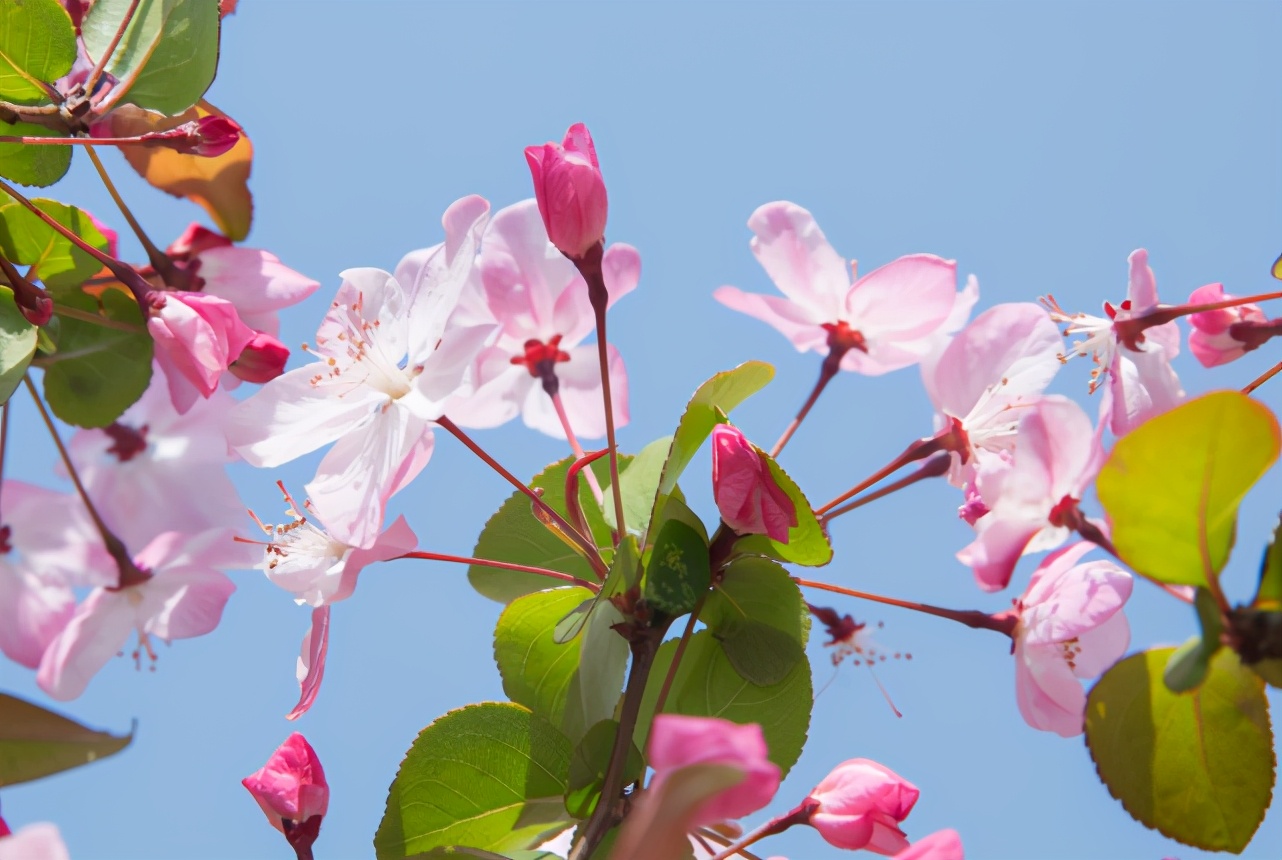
x: 1038, y: 144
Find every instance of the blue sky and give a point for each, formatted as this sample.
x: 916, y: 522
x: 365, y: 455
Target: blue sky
x: 1038, y: 144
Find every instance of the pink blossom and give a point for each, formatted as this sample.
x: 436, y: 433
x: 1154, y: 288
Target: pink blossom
x: 940, y: 845
x: 1070, y: 626
x: 181, y: 597
x: 677, y: 742
x: 1211, y: 340
x: 570, y: 191
x: 1141, y: 382
x: 47, y: 546
x: 40, y: 841
x: 292, y: 792
x: 888, y: 319
x: 860, y: 804
x: 747, y: 496
x: 387, y: 369
x: 197, y: 336
x: 262, y: 360
x: 1032, y: 501
x: 538, y: 302
x: 987, y: 376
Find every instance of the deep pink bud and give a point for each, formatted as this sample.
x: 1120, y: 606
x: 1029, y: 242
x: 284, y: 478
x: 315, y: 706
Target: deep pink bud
x: 196, y: 239
x: 860, y: 805
x: 218, y: 134
x: 1212, y: 339
x: 749, y: 499
x: 292, y: 791
x: 197, y: 336
x: 262, y: 360
x: 940, y: 845
x: 570, y: 191
x: 677, y: 742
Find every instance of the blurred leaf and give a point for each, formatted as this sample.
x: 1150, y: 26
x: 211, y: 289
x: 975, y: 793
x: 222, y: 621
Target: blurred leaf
x: 588, y: 764
x: 571, y: 685
x: 37, y: 44
x: 58, y: 263
x: 514, y: 535
x: 219, y: 185
x: 32, y: 165
x: 17, y: 344
x: 707, y: 685
x: 638, y: 484
x: 1277, y: 268
x: 97, y: 372
x: 1198, y: 766
x: 807, y: 544
x: 1190, y: 662
x: 1172, y: 486
x: 761, y: 654
x: 679, y: 571
x: 1268, y: 595
x: 758, y: 615
x: 656, y: 827
x: 489, y: 776
x: 168, y: 55
x: 35, y: 742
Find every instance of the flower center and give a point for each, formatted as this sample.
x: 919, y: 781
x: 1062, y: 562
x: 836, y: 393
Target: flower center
x: 1099, y: 340
x: 1066, y: 514
x: 359, y: 353
x: 842, y: 338
x: 6, y: 537
x: 126, y: 442
x: 540, y: 359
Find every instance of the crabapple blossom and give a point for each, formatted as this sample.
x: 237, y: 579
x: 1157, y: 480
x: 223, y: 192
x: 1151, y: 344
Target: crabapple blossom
x: 860, y: 805
x: 197, y: 336
x: 746, y: 494
x: 47, y: 546
x: 387, y: 369
x: 888, y: 319
x: 1140, y: 381
x: 1032, y: 502
x: 680, y: 741
x: 292, y: 791
x: 539, y: 304
x: 1213, y: 341
x: 940, y: 845
x: 181, y: 596
x: 1070, y: 626
x: 570, y: 191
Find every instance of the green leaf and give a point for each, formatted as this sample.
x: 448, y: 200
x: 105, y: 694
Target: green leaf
x: 514, y: 535
x: 168, y: 55
x: 489, y: 776
x: 707, y: 685
x: 572, y: 685
x: 17, y: 344
x: 27, y: 240
x: 1192, y: 660
x: 617, y: 579
x: 32, y: 165
x: 758, y: 615
x: 587, y: 768
x: 97, y: 373
x: 1173, y: 485
x: 707, y: 408
x: 639, y: 484
x: 35, y: 742
x: 1198, y: 766
x: 37, y: 45
x: 807, y: 544
x: 1268, y: 595
x: 679, y: 572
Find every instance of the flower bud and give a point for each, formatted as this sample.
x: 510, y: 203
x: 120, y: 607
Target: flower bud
x: 292, y: 791
x: 262, y: 360
x: 678, y: 742
x: 1214, y: 340
x: 197, y: 336
x: 749, y: 499
x: 570, y: 191
x: 860, y: 805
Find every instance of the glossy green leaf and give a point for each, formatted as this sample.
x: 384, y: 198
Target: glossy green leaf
x: 807, y: 544
x: 35, y: 742
x: 707, y: 685
x: 758, y: 615
x: 27, y: 240
x: 1197, y: 766
x: 489, y: 776
x: 37, y: 46
x: 617, y: 579
x: 760, y: 653
x: 1172, y: 486
x: 572, y: 685
x: 679, y: 571
x: 588, y: 764
x: 97, y: 372
x: 514, y: 535
x: 168, y: 55
x: 17, y: 344
x: 32, y: 165
x: 1191, y: 661
x: 639, y: 484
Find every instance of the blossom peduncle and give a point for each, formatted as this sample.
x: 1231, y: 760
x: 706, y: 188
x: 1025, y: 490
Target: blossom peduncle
x: 1001, y: 622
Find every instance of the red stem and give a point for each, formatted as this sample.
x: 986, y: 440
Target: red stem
x: 502, y: 565
x: 827, y: 371
x: 1002, y: 623
x: 918, y: 450
x: 92, y: 81
x: 932, y: 468
x: 1263, y: 378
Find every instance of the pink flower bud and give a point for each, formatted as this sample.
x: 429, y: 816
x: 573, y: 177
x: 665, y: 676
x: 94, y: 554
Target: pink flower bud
x: 292, y: 791
x: 570, y: 191
x: 262, y: 360
x: 677, y: 742
x: 1211, y: 341
x: 196, y: 239
x: 860, y: 805
x: 197, y: 336
x: 940, y: 845
x: 747, y: 496
x: 218, y: 135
